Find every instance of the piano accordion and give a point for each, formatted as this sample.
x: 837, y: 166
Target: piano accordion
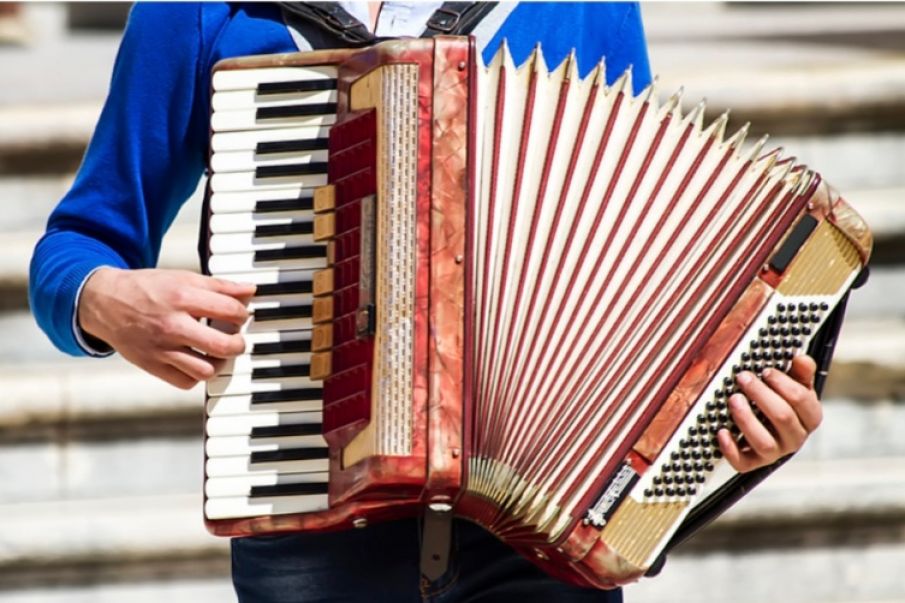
x: 512, y: 294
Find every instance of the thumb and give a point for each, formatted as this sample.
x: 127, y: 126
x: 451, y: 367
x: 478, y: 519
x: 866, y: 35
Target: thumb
x: 803, y: 370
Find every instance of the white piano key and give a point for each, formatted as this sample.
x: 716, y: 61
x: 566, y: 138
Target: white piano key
x: 229, y: 466
x: 280, y: 301
x: 248, y: 222
x: 275, y: 336
x: 246, y: 119
x: 249, y: 98
x: 268, y: 276
x: 248, y: 140
x: 242, y: 425
x: 247, y: 241
x: 252, y: 326
x: 227, y: 263
x: 246, y: 201
x: 248, y: 181
x: 241, y: 445
x: 222, y: 406
x: 247, y: 362
x: 234, y: 507
x: 237, y: 161
x: 241, y: 486
x: 239, y: 79
x: 243, y: 384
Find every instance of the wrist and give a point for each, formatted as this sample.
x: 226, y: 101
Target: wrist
x: 89, y: 314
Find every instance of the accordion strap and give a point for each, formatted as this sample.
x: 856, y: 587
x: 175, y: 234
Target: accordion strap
x: 329, y: 16
x: 452, y: 18
x: 457, y: 18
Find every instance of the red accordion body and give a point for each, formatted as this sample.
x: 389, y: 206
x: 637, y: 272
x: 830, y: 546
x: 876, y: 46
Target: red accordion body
x: 528, y: 296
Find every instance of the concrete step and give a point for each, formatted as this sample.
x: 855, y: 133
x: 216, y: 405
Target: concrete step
x: 108, y: 540
x: 865, y: 572
x: 834, y: 503
x: 742, y: 21
x: 84, y: 389
x: 869, y: 361
x: 799, y: 67
x: 160, y: 587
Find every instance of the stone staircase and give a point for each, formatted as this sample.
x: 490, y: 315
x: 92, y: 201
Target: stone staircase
x: 101, y: 465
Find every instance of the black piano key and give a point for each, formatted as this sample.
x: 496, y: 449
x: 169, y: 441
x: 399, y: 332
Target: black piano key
x: 283, y: 288
x: 294, y: 111
x: 291, y: 253
x: 296, y: 204
x: 278, y: 431
x: 290, y: 228
x: 289, y: 489
x: 291, y: 454
x: 265, y: 88
x: 291, y: 169
x: 282, y: 312
x: 298, y: 346
x: 274, y: 372
x: 291, y: 146
x: 287, y: 395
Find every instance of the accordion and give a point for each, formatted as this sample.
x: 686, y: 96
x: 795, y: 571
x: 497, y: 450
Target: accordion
x: 510, y: 294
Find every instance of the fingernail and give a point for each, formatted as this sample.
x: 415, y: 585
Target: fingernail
x: 736, y: 401
x: 744, y: 378
x: 767, y: 373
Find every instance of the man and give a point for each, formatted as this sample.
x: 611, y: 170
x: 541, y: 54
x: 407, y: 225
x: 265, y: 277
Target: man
x: 94, y: 289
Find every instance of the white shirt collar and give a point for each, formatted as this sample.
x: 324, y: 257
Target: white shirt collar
x: 396, y: 19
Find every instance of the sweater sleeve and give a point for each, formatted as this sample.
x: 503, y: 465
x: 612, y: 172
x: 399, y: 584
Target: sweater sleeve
x: 144, y: 160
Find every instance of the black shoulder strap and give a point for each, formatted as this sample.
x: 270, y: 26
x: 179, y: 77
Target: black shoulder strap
x: 457, y: 18
x: 329, y: 16
x: 333, y: 21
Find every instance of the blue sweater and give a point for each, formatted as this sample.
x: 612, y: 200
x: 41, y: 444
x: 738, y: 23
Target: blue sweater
x: 149, y: 148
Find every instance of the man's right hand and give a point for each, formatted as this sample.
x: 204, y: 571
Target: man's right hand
x: 151, y: 317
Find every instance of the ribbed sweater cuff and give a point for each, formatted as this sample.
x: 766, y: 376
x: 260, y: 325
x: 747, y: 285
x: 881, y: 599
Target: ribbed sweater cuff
x: 65, y: 261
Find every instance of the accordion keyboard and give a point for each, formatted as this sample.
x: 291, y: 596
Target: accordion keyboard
x: 264, y: 445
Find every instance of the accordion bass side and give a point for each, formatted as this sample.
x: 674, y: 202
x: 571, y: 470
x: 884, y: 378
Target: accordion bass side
x: 512, y: 294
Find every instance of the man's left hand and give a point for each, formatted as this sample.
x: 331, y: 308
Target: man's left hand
x: 790, y: 411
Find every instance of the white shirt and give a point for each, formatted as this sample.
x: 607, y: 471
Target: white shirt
x: 396, y: 19
x: 400, y: 19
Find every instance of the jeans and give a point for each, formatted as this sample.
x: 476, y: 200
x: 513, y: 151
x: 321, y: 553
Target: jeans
x: 380, y: 564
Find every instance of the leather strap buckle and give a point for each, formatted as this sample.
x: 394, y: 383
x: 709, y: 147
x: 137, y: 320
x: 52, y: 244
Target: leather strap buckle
x: 444, y: 20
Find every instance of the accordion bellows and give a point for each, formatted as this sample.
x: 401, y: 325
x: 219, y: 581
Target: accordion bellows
x: 527, y: 296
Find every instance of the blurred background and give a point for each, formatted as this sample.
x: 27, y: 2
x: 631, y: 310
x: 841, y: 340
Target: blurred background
x: 101, y: 466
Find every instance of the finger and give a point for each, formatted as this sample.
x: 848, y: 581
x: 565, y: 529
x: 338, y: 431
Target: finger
x: 171, y: 375
x: 802, y: 399
x: 741, y: 461
x: 779, y: 414
x: 207, y: 340
x: 193, y: 364
x: 803, y: 370
x: 758, y: 437
x: 202, y: 303
x: 231, y: 288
